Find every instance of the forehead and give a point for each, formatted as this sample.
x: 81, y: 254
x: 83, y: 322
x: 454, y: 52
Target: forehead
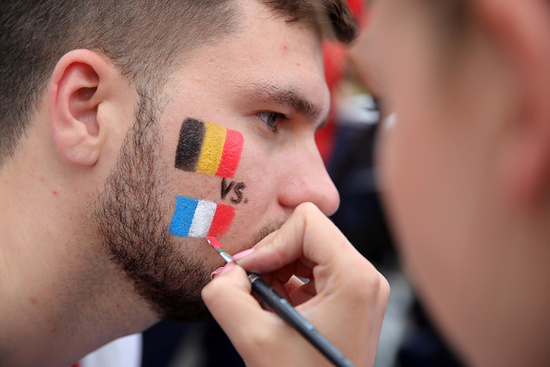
x: 265, y: 50
x: 407, y: 21
x: 399, y: 34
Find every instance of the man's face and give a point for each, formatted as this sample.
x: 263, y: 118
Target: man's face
x: 439, y: 184
x: 232, y: 155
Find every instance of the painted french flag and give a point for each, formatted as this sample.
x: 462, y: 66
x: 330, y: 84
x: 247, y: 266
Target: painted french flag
x: 200, y: 218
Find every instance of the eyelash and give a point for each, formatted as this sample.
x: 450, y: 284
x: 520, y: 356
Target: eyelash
x: 269, y: 114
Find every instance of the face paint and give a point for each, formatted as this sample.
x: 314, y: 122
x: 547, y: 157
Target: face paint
x: 208, y: 148
x: 200, y: 218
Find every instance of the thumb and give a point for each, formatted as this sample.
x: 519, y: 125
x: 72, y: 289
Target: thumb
x: 229, y: 300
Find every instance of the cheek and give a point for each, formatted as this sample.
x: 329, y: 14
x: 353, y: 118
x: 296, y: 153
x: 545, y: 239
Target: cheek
x: 429, y: 212
x: 209, y: 155
x: 257, y: 174
x: 225, y: 185
x: 401, y: 185
x: 200, y: 218
x: 411, y: 186
x: 208, y: 148
x: 412, y: 158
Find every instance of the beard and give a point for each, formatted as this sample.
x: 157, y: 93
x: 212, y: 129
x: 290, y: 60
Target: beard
x: 134, y: 228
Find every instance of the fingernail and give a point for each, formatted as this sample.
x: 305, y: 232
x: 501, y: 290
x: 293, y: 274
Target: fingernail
x: 227, y: 267
x: 222, y: 270
x: 242, y: 254
x: 216, y: 272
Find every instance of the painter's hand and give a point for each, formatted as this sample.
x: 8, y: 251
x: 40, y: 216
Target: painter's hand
x: 345, y: 298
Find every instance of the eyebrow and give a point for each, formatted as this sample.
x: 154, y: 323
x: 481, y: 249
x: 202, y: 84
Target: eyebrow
x: 287, y: 97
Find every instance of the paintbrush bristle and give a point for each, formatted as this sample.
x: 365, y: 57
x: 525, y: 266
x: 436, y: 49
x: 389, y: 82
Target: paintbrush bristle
x: 216, y: 245
x: 214, y: 242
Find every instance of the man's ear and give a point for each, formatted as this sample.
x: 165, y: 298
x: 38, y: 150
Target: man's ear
x: 520, y: 31
x: 80, y: 83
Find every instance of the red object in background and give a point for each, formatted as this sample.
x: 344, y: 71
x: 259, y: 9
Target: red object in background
x: 356, y: 7
x: 335, y: 58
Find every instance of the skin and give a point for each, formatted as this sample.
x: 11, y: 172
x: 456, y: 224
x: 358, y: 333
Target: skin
x: 467, y: 197
x: 309, y: 246
x: 68, y: 182
x: 465, y: 172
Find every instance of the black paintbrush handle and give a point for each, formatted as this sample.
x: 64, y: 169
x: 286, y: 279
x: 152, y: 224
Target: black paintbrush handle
x: 288, y: 313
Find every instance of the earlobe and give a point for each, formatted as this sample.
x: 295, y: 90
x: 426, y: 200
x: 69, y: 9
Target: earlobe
x: 518, y: 30
x: 77, y: 89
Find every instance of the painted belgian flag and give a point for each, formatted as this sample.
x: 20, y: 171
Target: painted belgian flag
x: 208, y: 148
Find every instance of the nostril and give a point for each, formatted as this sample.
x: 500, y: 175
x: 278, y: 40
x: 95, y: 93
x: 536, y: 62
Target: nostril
x: 332, y: 201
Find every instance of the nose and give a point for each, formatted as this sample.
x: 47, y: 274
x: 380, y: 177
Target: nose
x: 306, y: 180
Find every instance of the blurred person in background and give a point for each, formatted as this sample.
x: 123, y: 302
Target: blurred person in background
x: 465, y: 173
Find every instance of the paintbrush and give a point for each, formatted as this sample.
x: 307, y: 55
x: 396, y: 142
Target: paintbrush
x: 288, y: 313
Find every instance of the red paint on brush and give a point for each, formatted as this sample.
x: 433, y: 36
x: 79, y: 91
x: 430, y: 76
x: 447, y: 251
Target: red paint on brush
x: 214, y: 242
x: 222, y: 220
x: 231, y: 155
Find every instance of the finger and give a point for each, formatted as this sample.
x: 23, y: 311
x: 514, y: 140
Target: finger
x: 229, y: 300
x: 300, y: 292
x: 290, y: 290
x: 307, y: 238
x: 240, y: 315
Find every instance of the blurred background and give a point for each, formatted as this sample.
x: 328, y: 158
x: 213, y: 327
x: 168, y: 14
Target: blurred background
x: 347, y: 145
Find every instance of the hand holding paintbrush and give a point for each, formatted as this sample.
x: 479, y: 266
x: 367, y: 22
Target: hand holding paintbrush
x: 344, y: 300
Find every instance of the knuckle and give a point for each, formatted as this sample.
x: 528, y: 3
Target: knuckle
x: 213, y: 290
x: 369, y: 284
x: 306, y: 209
x: 384, y: 287
x: 209, y: 292
x: 260, y: 338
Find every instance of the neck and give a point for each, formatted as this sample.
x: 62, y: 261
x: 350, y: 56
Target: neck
x: 61, y: 295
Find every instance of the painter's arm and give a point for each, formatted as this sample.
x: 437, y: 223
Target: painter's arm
x: 345, y: 299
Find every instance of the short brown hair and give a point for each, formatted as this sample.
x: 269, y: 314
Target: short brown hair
x: 332, y: 18
x: 141, y: 37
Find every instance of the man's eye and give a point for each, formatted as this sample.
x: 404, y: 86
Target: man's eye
x: 271, y: 119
